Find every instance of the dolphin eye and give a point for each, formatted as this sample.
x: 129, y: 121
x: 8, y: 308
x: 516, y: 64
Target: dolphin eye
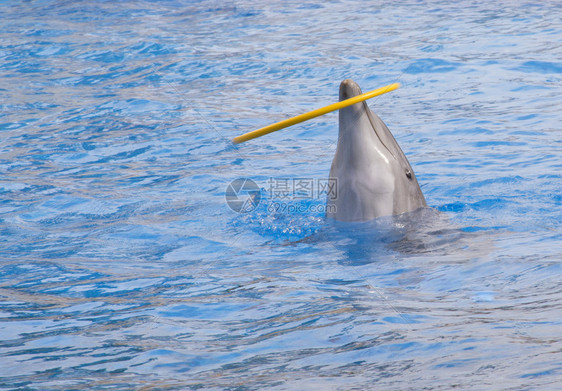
x: 409, y: 173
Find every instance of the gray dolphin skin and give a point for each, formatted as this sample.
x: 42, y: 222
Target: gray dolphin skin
x: 372, y: 176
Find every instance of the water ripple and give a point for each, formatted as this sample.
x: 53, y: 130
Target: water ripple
x: 122, y: 266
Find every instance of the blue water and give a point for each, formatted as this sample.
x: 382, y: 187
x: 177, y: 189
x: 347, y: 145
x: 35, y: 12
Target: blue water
x: 122, y: 266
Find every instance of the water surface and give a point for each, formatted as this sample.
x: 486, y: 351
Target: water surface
x: 123, y: 267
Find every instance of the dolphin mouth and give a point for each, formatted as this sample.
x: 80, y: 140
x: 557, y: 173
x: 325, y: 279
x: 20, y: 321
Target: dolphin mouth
x: 349, y: 89
x: 373, y: 125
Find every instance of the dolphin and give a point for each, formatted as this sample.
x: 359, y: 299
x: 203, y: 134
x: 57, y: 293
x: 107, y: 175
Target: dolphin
x: 370, y: 173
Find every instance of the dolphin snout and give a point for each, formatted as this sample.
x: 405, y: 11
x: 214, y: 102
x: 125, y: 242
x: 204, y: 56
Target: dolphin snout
x: 349, y: 89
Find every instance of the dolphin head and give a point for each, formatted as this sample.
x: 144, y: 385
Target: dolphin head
x: 372, y: 175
